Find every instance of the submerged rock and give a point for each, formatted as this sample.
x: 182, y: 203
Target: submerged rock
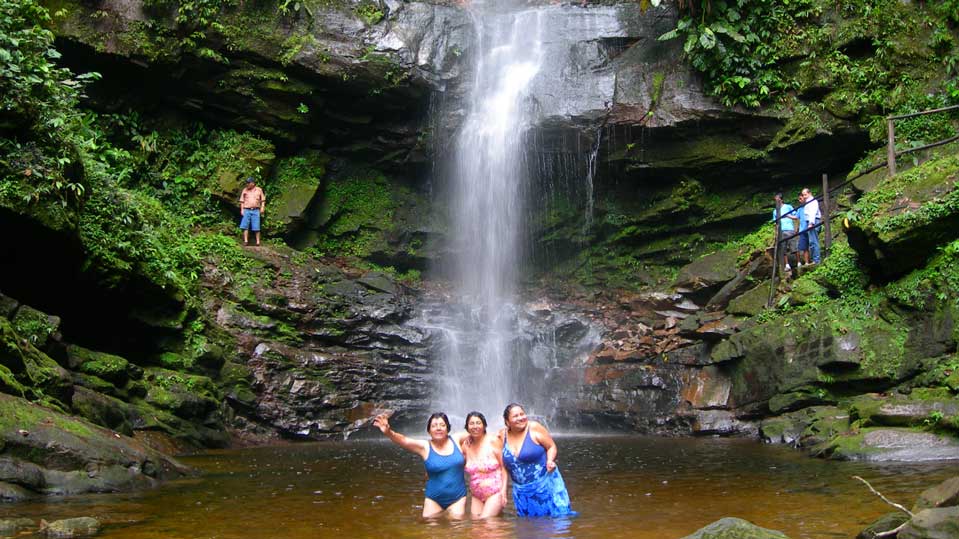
x: 70, y: 527
x: 884, y: 523
x: 735, y: 528
x: 15, y: 525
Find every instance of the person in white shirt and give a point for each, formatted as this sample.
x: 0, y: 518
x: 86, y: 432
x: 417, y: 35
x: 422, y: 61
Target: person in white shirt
x: 813, y: 218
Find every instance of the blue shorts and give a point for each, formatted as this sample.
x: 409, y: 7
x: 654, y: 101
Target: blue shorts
x: 250, y: 220
x: 803, y: 240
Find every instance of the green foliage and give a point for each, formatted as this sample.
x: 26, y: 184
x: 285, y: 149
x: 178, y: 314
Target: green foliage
x: 370, y: 11
x: 752, y: 244
x: 736, y: 44
x: 922, y: 130
x: 40, y: 131
x: 934, y: 418
x: 128, y: 232
x: 840, y: 272
x: 194, y: 18
x: 295, y: 8
x: 685, y: 193
x: 938, y: 281
x: 947, y: 9
x: 360, y: 207
x: 923, y: 183
x: 33, y: 325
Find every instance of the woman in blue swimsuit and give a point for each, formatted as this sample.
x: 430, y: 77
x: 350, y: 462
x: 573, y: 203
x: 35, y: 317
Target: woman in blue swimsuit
x: 445, y: 485
x: 529, y: 455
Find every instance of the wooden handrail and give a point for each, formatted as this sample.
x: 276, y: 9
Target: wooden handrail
x: 890, y: 164
x: 922, y: 113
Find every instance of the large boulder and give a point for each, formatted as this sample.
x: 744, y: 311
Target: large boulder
x: 900, y: 224
x: 893, y: 445
x: 945, y: 494
x: 297, y: 179
x: 46, y: 452
x: 936, y: 523
x: 25, y: 369
x: 707, y: 275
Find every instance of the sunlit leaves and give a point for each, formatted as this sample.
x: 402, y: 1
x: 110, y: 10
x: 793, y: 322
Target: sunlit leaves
x: 733, y: 43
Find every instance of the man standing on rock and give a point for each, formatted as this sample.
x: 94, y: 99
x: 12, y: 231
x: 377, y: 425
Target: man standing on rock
x: 813, y: 218
x: 252, y: 203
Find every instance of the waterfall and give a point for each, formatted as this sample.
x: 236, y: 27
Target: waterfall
x: 477, y: 364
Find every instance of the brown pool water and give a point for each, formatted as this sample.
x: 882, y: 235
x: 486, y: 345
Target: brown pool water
x: 623, y: 487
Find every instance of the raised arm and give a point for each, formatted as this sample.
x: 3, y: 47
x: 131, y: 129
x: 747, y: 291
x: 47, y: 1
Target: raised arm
x: 419, y: 447
x: 459, y: 437
x: 542, y: 437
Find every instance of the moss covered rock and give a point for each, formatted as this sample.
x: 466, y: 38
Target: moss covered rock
x: 932, y: 524
x: 296, y: 182
x: 945, y: 494
x: 899, y: 225
x: 103, y: 410
x: 109, y: 367
x: 34, y: 325
x: 185, y: 395
x: 751, y: 302
x: 71, y: 527
x: 50, y: 453
x: 884, y: 523
x: 708, y: 273
x: 735, y: 528
x: 890, y: 445
x: 26, y: 370
x: 904, y: 411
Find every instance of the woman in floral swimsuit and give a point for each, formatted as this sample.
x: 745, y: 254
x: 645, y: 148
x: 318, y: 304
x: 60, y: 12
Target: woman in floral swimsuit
x: 484, y: 464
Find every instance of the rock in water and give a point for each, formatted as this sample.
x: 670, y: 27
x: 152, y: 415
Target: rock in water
x: 889, y: 521
x: 938, y: 523
x: 735, y: 528
x: 945, y: 494
x: 15, y: 525
x: 70, y: 527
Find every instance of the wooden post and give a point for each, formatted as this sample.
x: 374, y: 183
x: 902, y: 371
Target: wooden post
x: 772, y: 281
x: 827, y: 235
x: 891, y: 147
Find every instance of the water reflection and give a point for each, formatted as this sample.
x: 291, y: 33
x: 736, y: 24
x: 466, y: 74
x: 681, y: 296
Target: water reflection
x: 623, y: 487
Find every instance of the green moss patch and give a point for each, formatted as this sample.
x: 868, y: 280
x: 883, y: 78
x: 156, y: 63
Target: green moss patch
x: 19, y: 414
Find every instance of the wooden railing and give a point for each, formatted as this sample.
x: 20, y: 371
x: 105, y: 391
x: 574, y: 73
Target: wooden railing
x: 891, y: 136
x: 824, y: 199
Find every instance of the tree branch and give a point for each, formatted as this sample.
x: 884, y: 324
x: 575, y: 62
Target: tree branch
x: 894, y: 504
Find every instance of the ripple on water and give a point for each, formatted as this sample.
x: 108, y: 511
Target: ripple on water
x: 623, y: 487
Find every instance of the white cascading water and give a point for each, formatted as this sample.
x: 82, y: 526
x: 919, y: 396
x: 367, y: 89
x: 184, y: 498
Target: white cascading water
x: 488, y: 185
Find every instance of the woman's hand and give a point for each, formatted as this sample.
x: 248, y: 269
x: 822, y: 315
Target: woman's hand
x: 550, y: 465
x: 382, y: 422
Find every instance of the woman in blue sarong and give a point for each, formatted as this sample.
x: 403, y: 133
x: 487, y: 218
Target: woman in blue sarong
x: 529, y: 455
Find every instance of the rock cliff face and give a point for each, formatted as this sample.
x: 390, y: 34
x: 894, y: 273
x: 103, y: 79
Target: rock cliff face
x: 383, y: 85
x: 842, y: 368
x: 344, y: 109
